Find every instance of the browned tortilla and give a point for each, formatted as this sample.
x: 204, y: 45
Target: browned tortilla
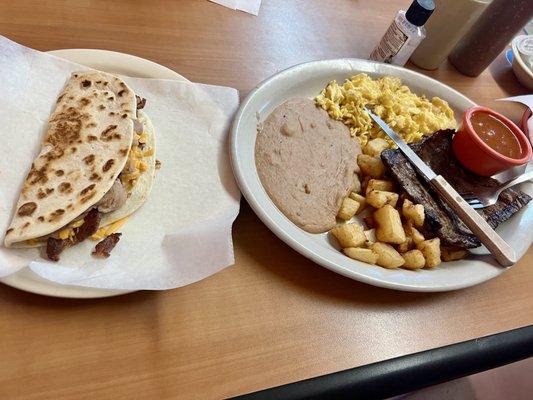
x: 85, y: 147
x: 307, y: 163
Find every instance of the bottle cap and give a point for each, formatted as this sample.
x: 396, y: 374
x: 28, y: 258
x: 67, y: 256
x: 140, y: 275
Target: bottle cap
x: 419, y: 11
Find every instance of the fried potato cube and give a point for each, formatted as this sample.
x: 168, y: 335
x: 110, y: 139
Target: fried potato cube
x: 357, y: 184
x: 413, y: 233
x: 431, y: 251
x: 371, y: 166
x: 414, y: 259
x: 348, y: 209
x: 413, y: 212
x: 374, y: 147
x: 364, y: 255
x: 378, y: 198
x: 388, y: 257
x: 405, y: 246
x: 379, y: 184
x: 349, y: 235
x: 389, y: 227
x: 452, y: 253
x: 360, y: 199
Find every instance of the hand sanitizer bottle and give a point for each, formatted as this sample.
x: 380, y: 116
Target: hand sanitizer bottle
x: 404, y: 34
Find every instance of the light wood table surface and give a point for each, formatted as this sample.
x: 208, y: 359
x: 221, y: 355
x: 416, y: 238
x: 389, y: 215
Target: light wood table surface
x: 274, y: 317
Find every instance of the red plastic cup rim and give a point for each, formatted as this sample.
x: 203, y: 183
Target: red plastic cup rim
x: 522, y: 139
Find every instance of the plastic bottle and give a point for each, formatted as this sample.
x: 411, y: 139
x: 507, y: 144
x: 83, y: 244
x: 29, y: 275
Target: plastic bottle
x: 404, y: 34
x: 490, y: 34
x: 446, y: 27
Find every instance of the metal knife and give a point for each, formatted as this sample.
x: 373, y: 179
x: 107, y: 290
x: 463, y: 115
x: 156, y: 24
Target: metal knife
x: 501, y: 251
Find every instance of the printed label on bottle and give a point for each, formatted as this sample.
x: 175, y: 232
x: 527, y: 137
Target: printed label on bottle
x: 391, y: 44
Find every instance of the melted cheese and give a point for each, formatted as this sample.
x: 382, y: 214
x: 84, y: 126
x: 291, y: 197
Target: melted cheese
x: 109, y: 229
x: 65, y: 233
x: 148, y: 153
x: 143, y: 167
x: 68, y: 232
x: 143, y: 137
x: 135, y: 162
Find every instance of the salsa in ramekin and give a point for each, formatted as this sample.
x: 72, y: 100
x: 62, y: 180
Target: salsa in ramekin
x: 488, y: 143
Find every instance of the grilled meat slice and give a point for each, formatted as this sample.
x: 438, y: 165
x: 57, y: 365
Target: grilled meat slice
x: 141, y: 102
x: 103, y: 248
x: 113, y: 199
x: 441, y: 220
x: 89, y: 227
x: 510, y: 202
x: 54, y: 247
x: 437, y: 152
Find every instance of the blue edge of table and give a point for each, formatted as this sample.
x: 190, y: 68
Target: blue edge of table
x: 408, y: 373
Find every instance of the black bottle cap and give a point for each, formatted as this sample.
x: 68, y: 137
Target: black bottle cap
x: 419, y: 11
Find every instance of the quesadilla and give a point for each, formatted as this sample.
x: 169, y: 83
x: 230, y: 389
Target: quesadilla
x: 95, y: 168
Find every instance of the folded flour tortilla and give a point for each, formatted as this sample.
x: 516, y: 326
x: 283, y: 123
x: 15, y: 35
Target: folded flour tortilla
x: 98, y: 153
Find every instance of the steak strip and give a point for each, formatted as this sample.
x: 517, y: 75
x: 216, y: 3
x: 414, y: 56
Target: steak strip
x: 54, y: 247
x: 440, y: 219
x: 103, y: 249
x: 141, y: 102
x: 91, y: 223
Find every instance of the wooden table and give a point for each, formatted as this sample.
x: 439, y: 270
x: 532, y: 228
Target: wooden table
x: 274, y: 317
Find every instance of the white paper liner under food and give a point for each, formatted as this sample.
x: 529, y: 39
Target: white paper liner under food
x: 183, y: 232
x: 526, y: 100
x: 249, y: 6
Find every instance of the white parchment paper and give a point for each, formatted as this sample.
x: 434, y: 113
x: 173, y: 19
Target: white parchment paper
x: 183, y: 232
x: 526, y: 100
x: 249, y: 6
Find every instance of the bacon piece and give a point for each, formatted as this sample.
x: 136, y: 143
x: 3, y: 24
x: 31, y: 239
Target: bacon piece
x: 91, y: 223
x: 90, y: 226
x: 54, y: 247
x: 103, y: 248
x: 140, y: 102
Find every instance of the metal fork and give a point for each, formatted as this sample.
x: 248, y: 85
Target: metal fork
x: 486, y: 196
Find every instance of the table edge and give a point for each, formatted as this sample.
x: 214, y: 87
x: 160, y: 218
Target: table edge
x: 411, y: 372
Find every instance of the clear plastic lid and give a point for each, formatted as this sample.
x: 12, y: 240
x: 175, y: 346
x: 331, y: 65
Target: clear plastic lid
x: 525, y: 45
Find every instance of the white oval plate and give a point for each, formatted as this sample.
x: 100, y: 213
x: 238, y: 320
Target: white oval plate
x: 308, y: 80
x: 115, y: 63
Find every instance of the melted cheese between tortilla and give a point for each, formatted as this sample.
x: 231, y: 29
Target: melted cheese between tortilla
x: 135, y: 160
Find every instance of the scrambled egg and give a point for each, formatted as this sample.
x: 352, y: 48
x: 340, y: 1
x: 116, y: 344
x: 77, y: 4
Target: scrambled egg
x: 411, y: 116
x: 109, y: 229
x: 68, y: 232
x: 135, y: 164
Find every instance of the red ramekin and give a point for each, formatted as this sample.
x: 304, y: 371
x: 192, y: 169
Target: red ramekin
x: 479, y: 157
x: 524, y: 127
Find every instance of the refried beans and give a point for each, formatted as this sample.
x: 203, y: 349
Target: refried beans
x: 307, y: 163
